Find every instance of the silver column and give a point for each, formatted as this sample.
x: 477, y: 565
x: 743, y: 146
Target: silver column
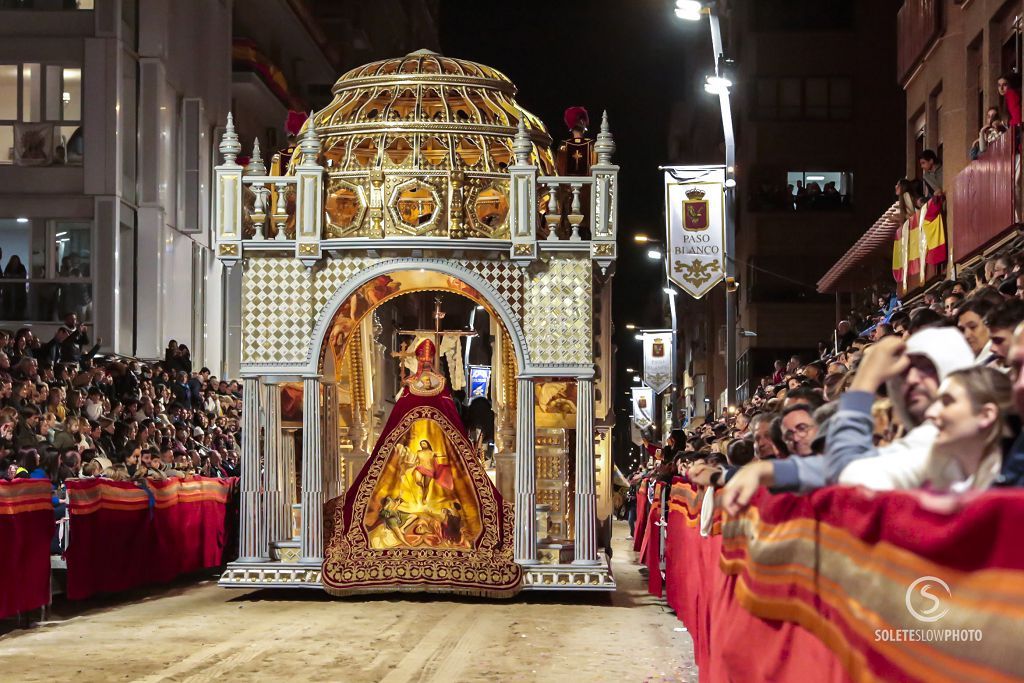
x: 526, y: 475
x: 251, y: 523
x: 312, y: 473
x: 278, y: 515
x: 586, y: 498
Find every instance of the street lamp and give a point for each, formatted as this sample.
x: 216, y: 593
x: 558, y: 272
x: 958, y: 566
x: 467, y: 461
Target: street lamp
x: 719, y: 84
x: 630, y: 326
x: 654, y: 254
x: 688, y: 10
x: 642, y: 239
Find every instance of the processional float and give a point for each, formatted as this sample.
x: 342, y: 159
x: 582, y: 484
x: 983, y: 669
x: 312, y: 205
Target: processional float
x: 422, y: 175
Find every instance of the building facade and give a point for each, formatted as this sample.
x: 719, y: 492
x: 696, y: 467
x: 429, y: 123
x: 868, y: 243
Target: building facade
x: 109, y: 115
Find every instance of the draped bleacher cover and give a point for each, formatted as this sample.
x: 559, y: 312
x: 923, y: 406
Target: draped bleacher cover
x: 818, y: 587
x: 26, y: 527
x: 126, y: 534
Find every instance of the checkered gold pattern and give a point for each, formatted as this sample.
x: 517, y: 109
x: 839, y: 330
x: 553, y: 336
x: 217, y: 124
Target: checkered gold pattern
x: 334, y: 274
x: 508, y: 280
x: 559, y: 312
x: 277, y: 316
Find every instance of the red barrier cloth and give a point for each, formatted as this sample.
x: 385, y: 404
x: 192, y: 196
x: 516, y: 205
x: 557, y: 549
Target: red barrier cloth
x: 642, y: 507
x: 652, y: 548
x: 124, y: 535
x: 730, y: 644
x: 26, y: 528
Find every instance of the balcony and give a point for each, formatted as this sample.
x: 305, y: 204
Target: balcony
x: 982, y: 200
x: 918, y: 26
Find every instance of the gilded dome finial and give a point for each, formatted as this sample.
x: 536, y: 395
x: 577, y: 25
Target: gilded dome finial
x: 522, y: 145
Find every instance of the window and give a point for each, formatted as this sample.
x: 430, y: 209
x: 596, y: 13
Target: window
x: 802, y: 191
x: 40, y: 114
x: 789, y: 98
x: 51, y: 260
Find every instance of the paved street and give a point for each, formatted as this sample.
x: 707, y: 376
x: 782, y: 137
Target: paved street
x: 201, y: 632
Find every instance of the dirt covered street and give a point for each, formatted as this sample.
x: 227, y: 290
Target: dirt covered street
x: 202, y: 632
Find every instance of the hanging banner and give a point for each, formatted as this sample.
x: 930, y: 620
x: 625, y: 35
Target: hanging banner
x: 658, y: 353
x: 695, y: 211
x: 479, y: 380
x: 643, y: 407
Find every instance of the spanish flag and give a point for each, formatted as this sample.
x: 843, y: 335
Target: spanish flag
x: 934, y: 229
x: 897, y: 255
x: 914, y: 244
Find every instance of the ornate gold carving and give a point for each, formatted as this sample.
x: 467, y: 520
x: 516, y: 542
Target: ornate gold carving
x: 308, y: 248
x: 523, y: 249
x: 229, y: 249
x: 603, y: 248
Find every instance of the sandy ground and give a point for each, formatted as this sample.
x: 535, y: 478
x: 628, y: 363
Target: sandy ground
x: 199, y: 632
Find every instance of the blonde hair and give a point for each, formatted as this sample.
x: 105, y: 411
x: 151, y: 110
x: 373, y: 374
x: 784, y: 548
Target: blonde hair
x: 983, y: 386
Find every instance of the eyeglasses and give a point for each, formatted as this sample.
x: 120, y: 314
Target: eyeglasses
x: 801, y: 430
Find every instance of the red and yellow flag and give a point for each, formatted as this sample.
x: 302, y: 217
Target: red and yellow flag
x: 934, y: 232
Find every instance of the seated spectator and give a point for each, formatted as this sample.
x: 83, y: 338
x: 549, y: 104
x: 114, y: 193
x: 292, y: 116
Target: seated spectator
x: 970, y: 319
x: 970, y: 415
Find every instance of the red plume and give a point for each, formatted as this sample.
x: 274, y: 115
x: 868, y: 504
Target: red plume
x: 574, y: 116
x: 293, y: 124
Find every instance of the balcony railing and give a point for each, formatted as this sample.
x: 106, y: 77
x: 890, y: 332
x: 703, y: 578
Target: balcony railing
x: 983, y: 197
x: 290, y: 212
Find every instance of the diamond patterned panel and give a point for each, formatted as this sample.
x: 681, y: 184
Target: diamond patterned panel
x: 277, y: 317
x: 506, y: 277
x: 559, y: 312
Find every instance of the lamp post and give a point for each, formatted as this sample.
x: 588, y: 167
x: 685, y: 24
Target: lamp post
x: 693, y: 10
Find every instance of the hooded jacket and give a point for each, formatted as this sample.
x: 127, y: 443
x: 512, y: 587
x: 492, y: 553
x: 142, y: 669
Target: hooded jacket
x: 851, y: 430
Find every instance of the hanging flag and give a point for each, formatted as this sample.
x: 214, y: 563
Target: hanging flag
x: 643, y: 407
x: 479, y: 381
x: 933, y: 230
x: 914, y: 245
x: 658, y: 354
x: 898, y: 255
x: 695, y: 210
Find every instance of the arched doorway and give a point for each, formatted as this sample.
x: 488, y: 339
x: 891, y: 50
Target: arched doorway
x: 360, y: 357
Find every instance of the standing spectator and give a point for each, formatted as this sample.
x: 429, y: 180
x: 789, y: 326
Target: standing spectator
x: 1008, y: 86
x: 931, y: 172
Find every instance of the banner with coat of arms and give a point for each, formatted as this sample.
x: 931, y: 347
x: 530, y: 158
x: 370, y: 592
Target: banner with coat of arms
x: 695, y: 211
x: 658, y: 353
x: 643, y: 407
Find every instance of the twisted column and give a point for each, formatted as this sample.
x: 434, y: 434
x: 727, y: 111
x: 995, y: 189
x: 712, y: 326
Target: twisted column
x: 586, y: 499
x: 526, y: 475
x: 251, y: 522
x: 312, y: 473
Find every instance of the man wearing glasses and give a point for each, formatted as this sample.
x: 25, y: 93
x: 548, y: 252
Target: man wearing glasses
x: 798, y: 429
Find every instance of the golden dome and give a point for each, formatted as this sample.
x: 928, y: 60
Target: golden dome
x: 433, y: 135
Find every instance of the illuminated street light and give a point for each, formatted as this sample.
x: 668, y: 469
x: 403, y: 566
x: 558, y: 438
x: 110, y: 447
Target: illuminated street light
x: 717, y: 85
x: 630, y: 370
x: 642, y: 239
x: 654, y: 255
x: 688, y: 10
x: 636, y: 378
x: 639, y: 337
x: 669, y: 291
x: 630, y: 326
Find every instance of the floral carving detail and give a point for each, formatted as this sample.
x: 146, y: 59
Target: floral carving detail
x: 697, y: 272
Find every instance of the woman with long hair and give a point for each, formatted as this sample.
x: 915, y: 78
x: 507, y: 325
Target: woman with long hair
x: 970, y: 414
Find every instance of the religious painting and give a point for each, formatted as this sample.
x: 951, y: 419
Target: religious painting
x: 423, y: 497
x: 555, y: 403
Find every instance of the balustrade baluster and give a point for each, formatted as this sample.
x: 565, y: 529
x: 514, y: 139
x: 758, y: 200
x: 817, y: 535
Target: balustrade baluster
x: 281, y: 211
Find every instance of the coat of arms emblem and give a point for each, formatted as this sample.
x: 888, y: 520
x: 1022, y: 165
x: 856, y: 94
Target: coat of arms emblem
x: 695, y: 210
x: 658, y: 348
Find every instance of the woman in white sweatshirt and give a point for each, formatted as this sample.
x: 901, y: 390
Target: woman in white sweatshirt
x: 970, y: 416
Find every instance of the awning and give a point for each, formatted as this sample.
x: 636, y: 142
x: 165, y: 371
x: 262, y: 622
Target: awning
x: 878, y: 237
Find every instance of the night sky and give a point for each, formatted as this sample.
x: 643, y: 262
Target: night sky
x: 631, y: 57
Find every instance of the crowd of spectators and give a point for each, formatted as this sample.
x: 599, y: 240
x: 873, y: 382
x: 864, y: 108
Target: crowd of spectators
x: 67, y: 413
x: 923, y: 396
